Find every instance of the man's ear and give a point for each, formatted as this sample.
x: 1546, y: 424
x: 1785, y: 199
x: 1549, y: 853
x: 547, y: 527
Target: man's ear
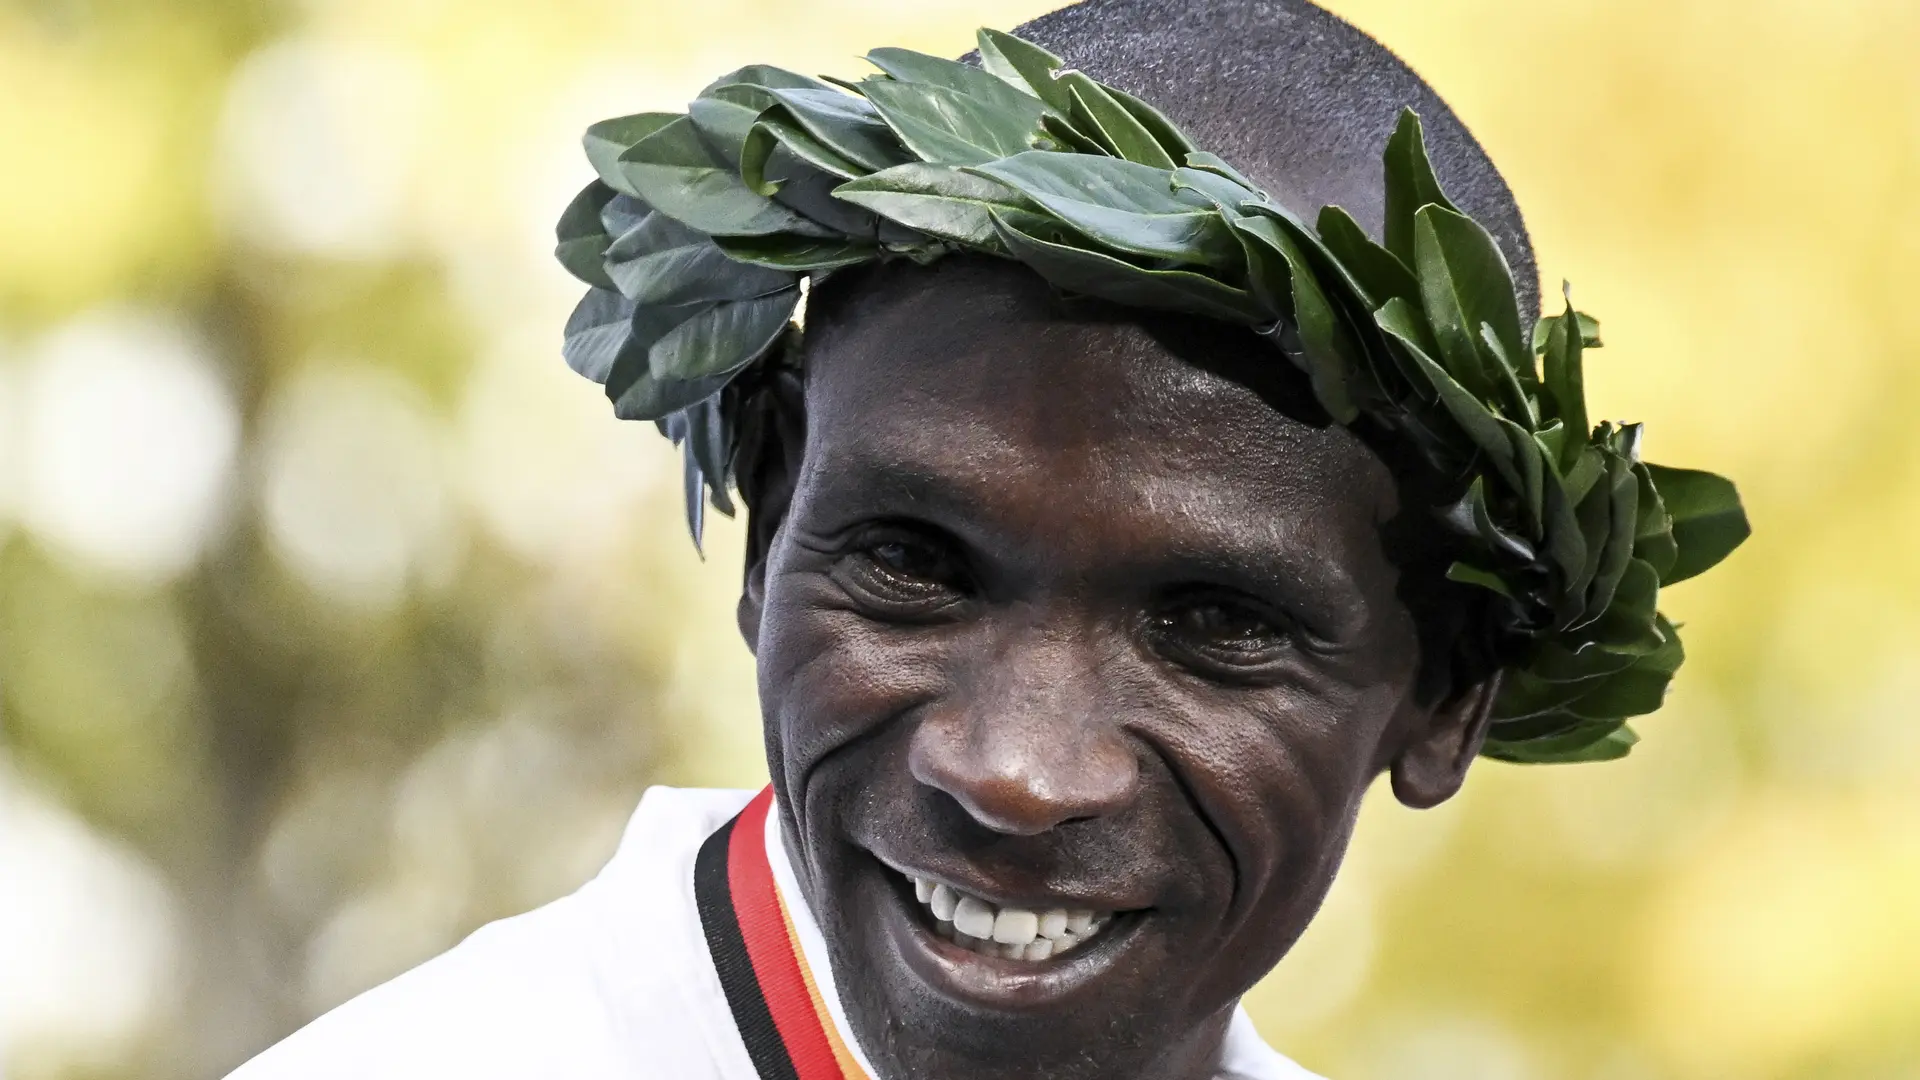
x: 773, y: 436
x: 1433, y: 759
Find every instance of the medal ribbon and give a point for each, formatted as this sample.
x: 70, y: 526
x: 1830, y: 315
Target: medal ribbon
x: 775, y: 1001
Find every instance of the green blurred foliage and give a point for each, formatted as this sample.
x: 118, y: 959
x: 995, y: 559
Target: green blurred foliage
x: 417, y: 665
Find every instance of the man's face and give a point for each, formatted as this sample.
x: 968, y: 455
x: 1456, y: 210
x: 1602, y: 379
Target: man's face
x: 1062, y: 622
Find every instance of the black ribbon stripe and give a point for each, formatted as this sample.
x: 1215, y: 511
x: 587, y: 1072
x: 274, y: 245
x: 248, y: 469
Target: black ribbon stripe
x: 713, y: 896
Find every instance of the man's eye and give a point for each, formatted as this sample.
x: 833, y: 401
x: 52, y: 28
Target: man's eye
x: 1223, y: 633
x: 909, y: 561
x: 902, y: 575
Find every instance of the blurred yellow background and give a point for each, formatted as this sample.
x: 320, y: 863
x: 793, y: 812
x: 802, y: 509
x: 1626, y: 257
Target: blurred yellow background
x: 337, y: 617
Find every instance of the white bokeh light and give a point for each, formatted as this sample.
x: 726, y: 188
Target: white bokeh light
x: 127, y: 444
x: 353, y: 486
x: 88, y: 940
x: 317, y: 145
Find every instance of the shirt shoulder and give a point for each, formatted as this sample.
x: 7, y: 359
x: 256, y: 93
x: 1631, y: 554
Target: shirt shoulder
x: 1248, y: 1057
x: 607, y: 982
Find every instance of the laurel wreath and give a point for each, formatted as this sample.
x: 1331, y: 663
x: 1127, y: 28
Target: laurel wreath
x: 703, y: 227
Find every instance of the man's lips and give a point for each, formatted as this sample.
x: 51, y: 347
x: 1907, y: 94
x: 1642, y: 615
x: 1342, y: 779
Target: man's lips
x: 997, y: 953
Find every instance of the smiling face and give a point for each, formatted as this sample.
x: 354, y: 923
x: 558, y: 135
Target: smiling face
x: 1069, y: 640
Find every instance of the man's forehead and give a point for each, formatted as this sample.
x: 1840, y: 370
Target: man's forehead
x: 991, y: 354
x: 980, y: 391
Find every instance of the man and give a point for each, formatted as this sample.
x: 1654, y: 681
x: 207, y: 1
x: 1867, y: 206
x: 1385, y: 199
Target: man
x: 1110, y: 531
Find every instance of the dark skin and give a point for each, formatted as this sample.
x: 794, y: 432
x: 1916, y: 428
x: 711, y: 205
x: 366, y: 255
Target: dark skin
x: 1062, y: 608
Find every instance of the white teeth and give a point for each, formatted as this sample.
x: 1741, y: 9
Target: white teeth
x: 974, y: 916
x: 1009, y: 933
x: 1015, y: 927
x: 1053, y: 924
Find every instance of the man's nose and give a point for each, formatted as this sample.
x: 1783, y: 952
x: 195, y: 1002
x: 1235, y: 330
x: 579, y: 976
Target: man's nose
x: 1029, y: 751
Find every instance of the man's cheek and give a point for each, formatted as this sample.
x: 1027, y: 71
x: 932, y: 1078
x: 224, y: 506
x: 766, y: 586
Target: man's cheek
x: 831, y: 677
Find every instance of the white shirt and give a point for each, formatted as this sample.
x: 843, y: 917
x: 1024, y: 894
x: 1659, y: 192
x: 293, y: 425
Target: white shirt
x: 611, y: 983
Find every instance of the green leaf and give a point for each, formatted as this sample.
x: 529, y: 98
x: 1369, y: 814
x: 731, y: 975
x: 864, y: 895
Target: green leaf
x: 992, y: 93
x: 947, y: 127
x: 1325, y: 347
x: 1410, y: 185
x: 652, y: 232
x: 1623, y: 493
x: 1566, y: 395
x: 597, y: 332
x: 608, y: 139
x: 797, y: 253
x: 1164, y: 131
x: 1589, y: 330
x: 1542, y: 702
x: 1485, y: 579
x: 723, y: 338
x: 1516, y: 386
x: 1633, y: 690
x: 809, y: 192
x: 636, y: 393
x: 582, y: 239
x: 1465, y: 281
x: 1480, y: 426
x: 1095, y: 112
x: 848, y: 125
x: 1121, y: 204
x: 995, y: 63
x: 1557, y: 661
x: 1595, y: 512
x: 1227, y: 194
x: 649, y: 324
x: 1629, y: 622
x: 1653, y: 534
x: 687, y: 273
x: 939, y: 200
x: 1607, y: 740
x: 1334, y: 279
x: 776, y: 129
x: 1380, y: 275
x: 1205, y: 162
x: 1069, y: 139
x: 672, y: 171
x: 1590, y: 464
x: 1095, y: 274
x: 1533, y: 470
x: 708, y: 443
x: 1034, y: 65
x: 694, y: 489
x: 622, y: 213
x: 723, y: 119
x: 1562, y: 539
x: 647, y: 398
x: 764, y: 75
x: 1472, y: 517
x: 1708, y: 520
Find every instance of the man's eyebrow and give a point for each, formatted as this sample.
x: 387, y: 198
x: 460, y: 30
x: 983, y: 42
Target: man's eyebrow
x: 873, y: 482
